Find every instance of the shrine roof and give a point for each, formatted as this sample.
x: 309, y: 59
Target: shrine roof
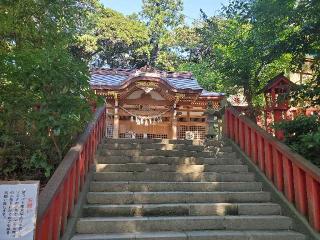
x: 276, y: 80
x: 114, y: 78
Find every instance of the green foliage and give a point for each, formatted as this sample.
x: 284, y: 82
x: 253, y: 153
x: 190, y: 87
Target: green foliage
x: 44, y: 89
x: 292, y: 27
x: 237, y: 58
x: 208, y: 79
x: 303, y: 135
x: 114, y: 39
x: 161, y: 17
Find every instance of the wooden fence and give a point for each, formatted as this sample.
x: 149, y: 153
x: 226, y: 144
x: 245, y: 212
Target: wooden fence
x: 294, y: 176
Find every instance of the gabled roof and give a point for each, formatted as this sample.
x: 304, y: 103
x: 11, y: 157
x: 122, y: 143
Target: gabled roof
x: 116, y: 78
x: 275, y: 81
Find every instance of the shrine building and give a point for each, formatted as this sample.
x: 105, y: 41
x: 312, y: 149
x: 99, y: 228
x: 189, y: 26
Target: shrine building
x: 148, y: 103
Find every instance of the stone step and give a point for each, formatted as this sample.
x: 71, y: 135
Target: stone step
x: 185, y: 223
x: 165, y: 153
x: 176, y: 197
x: 175, y: 186
x: 138, y: 146
x: 166, y: 160
x: 161, y: 146
x: 182, y: 209
x: 168, y: 146
x: 197, y: 235
x: 147, y: 141
x: 186, y: 168
x: 173, y: 177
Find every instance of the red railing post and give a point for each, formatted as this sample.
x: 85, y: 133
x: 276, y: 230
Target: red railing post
x: 241, y: 135
x: 278, y: 169
x: 268, y: 161
x: 226, y: 123
x: 237, y: 130
x: 247, y: 141
x: 299, y: 181
x: 254, y: 146
x: 288, y: 179
x: 231, y: 125
x: 313, y: 193
x: 261, y: 153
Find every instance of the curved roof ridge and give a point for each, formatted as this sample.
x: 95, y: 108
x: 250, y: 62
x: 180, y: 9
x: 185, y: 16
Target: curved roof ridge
x: 118, y: 78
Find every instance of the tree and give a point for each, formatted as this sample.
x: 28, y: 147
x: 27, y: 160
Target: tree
x: 239, y: 58
x: 44, y: 89
x: 161, y: 17
x: 114, y: 40
x: 296, y: 26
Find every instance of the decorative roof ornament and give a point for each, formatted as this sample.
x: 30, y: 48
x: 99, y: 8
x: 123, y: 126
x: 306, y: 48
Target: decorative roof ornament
x: 149, y: 69
x: 147, y: 87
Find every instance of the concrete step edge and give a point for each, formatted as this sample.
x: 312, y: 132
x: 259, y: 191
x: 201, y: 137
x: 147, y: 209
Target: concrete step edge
x: 193, y: 235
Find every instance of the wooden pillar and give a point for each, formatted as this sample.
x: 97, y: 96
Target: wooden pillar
x: 174, y: 122
x: 116, y: 119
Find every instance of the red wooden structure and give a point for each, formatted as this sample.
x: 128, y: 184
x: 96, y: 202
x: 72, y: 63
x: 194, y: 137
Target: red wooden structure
x: 294, y: 176
x: 277, y: 104
x: 57, y: 199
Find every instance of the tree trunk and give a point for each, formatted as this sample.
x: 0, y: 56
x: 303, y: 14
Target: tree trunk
x: 251, y: 113
x: 154, y: 54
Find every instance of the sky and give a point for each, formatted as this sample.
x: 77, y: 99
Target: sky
x: 191, y: 7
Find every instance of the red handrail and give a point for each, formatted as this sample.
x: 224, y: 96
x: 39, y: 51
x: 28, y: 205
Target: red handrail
x: 297, y: 178
x: 57, y: 200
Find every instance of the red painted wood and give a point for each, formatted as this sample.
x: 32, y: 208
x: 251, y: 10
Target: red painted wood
x: 261, y: 155
x: 254, y: 146
x: 43, y: 228
x: 237, y: 131
x: 57, y: 215
x: 291, y: 174
x: 77, y: 181
x: 83, y: 156
x: 65, y: 202
x: 247, y: 140
x: 288, y: 179
x: 231, y: 126
x: 278, y: 169
x: 87, y: 155
x: 241, y: 135
x: 300, y: 192
x: 268, y: 161
x: 226, y: 123
x: 313, y: 194
x: 72, y: 190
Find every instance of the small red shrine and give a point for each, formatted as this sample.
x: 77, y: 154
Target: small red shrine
x: 148, y: 103
x: 277, y: 103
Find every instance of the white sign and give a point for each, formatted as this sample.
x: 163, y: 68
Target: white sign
x: 18, y: 210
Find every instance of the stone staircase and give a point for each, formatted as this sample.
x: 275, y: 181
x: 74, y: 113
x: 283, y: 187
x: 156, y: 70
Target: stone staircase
x: 166, y: 189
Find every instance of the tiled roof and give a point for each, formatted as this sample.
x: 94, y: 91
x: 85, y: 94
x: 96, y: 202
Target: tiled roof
x: 205, y: 93
x: 107, y: 80
x: 116, y: 77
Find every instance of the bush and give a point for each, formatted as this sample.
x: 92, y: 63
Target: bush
x: 303, y: 136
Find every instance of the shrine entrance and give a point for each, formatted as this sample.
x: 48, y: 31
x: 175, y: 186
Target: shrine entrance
x: 145, y: 115
x: 153, y: 104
